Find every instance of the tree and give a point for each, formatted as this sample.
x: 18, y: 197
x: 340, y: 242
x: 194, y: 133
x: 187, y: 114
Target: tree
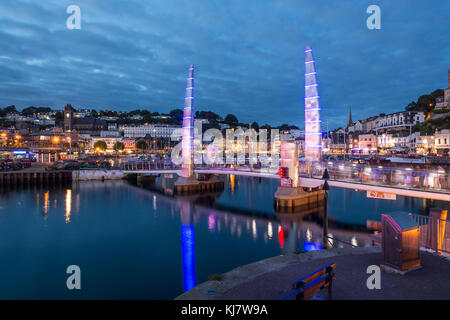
x: 255, y: 126
x: 10, y: 109
x: 141, y: 145
x: 177, y: 114
x: 209, y: 115
x: 231, y: 119
x: 145, y: 113
x: 29, y: 111
x: 44, y: 109
x: 59, y: 118
x: 426, y: 102
x: 119, y: 146
x: 100, y: 145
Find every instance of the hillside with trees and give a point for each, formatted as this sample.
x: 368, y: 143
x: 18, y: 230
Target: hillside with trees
x: 425, y: 103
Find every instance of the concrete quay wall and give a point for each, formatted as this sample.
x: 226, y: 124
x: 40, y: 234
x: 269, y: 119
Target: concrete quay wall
x: 90, y: 175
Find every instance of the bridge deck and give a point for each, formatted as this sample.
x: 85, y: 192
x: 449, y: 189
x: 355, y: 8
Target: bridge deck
x: 313, y: 182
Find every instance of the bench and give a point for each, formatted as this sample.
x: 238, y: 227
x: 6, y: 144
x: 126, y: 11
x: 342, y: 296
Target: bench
x: 306, y: 287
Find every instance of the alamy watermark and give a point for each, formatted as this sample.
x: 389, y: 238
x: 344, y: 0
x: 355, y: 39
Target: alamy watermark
x: 374, y: 20
x: 222, y: 150
x: 74, y: 20
x: 74, y: 280
x: 374, y: 280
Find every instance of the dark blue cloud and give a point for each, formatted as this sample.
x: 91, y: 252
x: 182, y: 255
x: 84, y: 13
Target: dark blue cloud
x: 248, y: 55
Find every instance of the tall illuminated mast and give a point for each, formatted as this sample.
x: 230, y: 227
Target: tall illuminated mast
x: 187, y: 142
x: 313, y: 131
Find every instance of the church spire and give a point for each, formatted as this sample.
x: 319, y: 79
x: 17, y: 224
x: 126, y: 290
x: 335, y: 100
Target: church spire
x: 350, y: 120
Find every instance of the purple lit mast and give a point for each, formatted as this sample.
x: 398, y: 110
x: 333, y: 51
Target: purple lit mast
x: 187, y: 142
x: 313, y: 131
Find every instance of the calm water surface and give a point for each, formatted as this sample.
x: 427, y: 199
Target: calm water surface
x: 133, y: 243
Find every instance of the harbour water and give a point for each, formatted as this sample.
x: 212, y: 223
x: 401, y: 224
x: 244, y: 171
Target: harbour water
x: 133, y: 243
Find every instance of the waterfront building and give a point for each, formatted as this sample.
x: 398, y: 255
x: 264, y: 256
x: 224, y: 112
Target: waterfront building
x: 338, y: 139
x: 351, y: 128
x: 399, y: 120
x: 393, y: 140
x: 110, y: 133
x: 369, y: 124
x: 88, y: 125
x: 423, y: 144
x: 326, y: 142
x: 358, y: 126
x: 158, y: 131
x: 367, y: 143
x: 52, y: 145
x: 442, y: 142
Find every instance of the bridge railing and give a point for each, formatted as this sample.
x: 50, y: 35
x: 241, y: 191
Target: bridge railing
x: 434, y: 233
x: 429, y: 179
x: 404, y: 177
x: 142, y: 165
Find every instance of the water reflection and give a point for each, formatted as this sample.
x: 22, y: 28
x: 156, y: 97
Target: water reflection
x: 68, y: 205
x: 157, y: 246
x: 188, y: 246
x: 46, y: 203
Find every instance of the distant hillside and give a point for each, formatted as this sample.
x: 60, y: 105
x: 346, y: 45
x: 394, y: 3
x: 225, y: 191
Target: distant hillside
x: 426, y: 102
x: 430, y: 126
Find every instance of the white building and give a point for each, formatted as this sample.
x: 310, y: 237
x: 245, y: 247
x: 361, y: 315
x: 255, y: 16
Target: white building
x: 109, y: 133
x: 358, y: 127
x: 399, y: 120
x: 387, y: 141
x: 442, y: 141
x: 159, y: 131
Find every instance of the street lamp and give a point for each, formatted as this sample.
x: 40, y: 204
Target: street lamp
x: 325, y: 187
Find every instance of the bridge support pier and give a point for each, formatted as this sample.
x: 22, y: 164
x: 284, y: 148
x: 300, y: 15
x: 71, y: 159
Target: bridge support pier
x: 187, y: 185
x: 292, y: 199
x: 291, y: 194
x: 191, y: 185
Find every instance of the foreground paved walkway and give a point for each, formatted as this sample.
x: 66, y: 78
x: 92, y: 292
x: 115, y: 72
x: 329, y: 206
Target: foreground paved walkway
x: 269, y: 282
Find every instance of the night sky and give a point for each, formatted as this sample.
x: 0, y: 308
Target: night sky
x: 248, y: 55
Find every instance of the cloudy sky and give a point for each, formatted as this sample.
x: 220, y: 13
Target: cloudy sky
x: 248, y: 55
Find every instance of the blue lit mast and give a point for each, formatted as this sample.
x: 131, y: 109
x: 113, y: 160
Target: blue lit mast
x: 313, y: 130
x: 187, y: 142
